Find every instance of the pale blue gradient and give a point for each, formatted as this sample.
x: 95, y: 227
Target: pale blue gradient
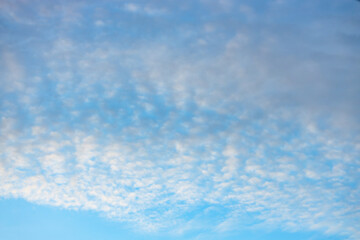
x: 22, y: 220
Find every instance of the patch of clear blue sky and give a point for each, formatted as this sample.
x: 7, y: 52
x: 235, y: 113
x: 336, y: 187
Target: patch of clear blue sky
x: 20, y: 220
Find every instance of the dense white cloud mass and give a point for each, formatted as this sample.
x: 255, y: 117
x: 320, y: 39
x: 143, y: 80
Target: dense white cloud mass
x: 250, y: 118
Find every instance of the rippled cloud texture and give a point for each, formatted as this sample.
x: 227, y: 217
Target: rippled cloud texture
x: 178, y: 115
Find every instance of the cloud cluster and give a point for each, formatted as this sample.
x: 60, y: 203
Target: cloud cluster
x: 229, y: 120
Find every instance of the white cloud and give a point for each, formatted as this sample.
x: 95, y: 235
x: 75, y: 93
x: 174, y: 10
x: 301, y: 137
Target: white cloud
x: 131, y: 7
x: 144, y: 9
x: 147, y: 132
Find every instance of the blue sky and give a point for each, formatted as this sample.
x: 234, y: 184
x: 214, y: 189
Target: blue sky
x: 204, y: 119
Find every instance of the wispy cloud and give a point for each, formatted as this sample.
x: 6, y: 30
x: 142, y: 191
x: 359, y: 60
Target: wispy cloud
x: 144, y: 9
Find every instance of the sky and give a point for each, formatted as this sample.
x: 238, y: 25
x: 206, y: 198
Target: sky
x: 201, y: 119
